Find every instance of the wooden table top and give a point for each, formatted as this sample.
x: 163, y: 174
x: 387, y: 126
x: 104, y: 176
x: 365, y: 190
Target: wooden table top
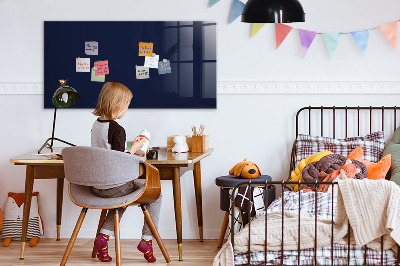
x: 164, y: 157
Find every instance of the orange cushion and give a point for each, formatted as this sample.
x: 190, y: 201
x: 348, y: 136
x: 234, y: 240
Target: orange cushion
x: 375, y: 170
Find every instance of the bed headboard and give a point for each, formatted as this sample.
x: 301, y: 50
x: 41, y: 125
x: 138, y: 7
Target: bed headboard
x: 344, y: 121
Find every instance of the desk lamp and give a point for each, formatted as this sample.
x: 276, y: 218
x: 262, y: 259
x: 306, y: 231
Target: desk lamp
x: 64, y: 96
x: 273, y: 11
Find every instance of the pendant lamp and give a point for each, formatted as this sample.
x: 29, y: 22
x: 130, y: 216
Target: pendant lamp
x: 273, y: 11
x: 64, y: 96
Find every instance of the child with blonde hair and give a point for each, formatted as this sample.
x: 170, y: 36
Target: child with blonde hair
x: 113, y: 103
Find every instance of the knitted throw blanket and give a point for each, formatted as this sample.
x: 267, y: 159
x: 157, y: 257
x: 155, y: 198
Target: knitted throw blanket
x: 373, y: 209
x: 274, y: 235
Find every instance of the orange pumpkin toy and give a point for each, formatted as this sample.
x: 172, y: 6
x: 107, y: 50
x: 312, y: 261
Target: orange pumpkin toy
x: 245, y: 169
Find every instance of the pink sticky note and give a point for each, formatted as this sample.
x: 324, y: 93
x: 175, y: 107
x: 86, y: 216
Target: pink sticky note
x: 102, y: 68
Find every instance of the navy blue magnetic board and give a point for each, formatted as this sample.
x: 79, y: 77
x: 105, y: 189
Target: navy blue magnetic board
x: 189, y: 46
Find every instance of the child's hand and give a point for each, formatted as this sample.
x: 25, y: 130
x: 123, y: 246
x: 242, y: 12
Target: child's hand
x: 137, y: 144
x: 143, y: 155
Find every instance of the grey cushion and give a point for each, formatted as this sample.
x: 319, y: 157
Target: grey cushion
x: 83, y: 196
x: 393, y: 148
x: 99, y: 167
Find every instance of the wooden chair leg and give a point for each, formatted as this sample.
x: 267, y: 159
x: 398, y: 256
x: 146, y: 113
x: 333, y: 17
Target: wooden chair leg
x: 154, y: 230
x: 101, y: 222
x: 223, y: 229
x: 73, y: 237
x: 117, y: 238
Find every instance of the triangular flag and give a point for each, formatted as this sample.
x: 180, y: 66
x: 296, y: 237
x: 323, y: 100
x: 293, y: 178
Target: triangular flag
x: 213, y: 2
x: 332, y: 41
x: 361, y: 37
x: 255, y: 28
x: 237, y: 9
x: 390, y: 32
x: 281, y: 31
x: 306, y: 39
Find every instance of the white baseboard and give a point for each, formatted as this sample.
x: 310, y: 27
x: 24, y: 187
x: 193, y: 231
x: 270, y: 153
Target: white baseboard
x: 259, y: 87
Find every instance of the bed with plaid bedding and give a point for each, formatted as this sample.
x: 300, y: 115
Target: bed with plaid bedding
x: 323, y: 206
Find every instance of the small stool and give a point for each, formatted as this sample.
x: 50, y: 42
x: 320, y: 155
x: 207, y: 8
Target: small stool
x: 226, y: 183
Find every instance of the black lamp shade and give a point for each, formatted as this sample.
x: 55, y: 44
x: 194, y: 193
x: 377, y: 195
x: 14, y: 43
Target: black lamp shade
x: 65, y: 95
x: 273, y: 11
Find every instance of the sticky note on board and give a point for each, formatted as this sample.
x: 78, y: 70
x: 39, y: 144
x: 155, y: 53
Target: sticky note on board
x: 99, y: 78
x: 91, y: 48
x: 164, y: 67
x: 151, y: 62
x: 82, y: 64
x: 102, y: 67
x: 142, y: 72
x: 145, y: 48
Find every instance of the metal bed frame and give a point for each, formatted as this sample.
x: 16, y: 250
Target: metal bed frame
x: 283, y: 184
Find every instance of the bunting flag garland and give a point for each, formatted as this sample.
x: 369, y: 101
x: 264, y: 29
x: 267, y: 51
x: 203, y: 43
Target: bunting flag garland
x: 332, y: 41
x: 256, y: 27
x: 389, y: 30
x: 213, y: 2
x: 361, y: 37
x: 237, y: 8
x: 281, y: 31
x: 306, y: 39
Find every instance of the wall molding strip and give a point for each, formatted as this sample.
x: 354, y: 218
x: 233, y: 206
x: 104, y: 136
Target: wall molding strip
x: 259, y: 87
x: 309, y: 87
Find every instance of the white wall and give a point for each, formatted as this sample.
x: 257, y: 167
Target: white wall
x: 257, y: 127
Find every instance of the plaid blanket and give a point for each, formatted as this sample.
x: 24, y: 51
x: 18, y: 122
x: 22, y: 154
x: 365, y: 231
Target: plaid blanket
x: 324, y: 257
x: 322, y: 204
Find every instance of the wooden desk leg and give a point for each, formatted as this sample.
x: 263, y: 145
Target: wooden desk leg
x: 199, y: 204
x: 60, y: 190
x: 176, y: 183
x: 27, y: 206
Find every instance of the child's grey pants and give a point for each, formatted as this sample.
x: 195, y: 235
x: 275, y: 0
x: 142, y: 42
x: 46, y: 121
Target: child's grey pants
x: 154, y: 208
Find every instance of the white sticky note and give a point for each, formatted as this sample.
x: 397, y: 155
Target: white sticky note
x: 151, y: 61
x: 142, y: 72
x: 83, y: 64
x: 92, y: 48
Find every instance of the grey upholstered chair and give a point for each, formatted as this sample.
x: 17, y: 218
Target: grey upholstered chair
x: 85, y: 167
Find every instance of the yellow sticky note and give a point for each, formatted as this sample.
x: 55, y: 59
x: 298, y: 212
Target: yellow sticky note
x: 145, y: 48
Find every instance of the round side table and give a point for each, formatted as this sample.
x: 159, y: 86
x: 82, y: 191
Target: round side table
x: 228, y: 182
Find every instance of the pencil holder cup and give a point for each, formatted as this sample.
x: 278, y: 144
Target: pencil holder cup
x: 200, y: 143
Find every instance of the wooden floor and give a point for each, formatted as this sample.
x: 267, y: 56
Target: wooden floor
x: 50, y: 252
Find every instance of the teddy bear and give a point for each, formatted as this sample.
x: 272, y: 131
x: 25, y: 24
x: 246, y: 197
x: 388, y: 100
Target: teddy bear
x: 180, y: 144
x: 13, y: 215
x: 245, y: 169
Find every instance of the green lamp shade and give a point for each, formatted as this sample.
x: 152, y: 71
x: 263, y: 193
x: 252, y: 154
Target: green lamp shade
x: 65, y: 95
